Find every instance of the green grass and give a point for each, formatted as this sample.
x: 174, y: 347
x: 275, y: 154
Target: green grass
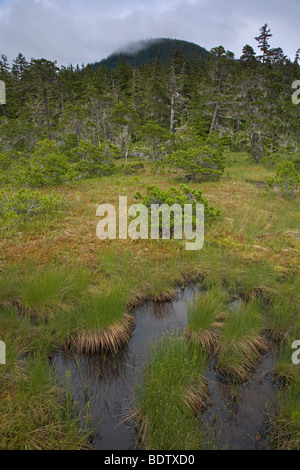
x: 166, y: 419
x: 281, y: 317
x: 286, y: 424
x: 285, y: 371
x: 100, y: 323
x: 206, y: 317
x: 75, y: 285
x: 241, y: 341
x: 43, y: 292
x: 33, y: 414
x: 101, y: 310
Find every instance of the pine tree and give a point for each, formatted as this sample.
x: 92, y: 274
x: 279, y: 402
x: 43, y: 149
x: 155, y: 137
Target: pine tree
x: 20, y: 65
x: 4, y: 67
x: 41, y: 77
x: 263, y: 44
x: 249, y: 55
x: 276, y: 56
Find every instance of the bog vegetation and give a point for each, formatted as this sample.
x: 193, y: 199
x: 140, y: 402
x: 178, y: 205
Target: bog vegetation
x: 213, y: 130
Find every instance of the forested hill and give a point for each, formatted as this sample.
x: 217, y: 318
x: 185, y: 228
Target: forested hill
x: 146, y: 52
x: 247, y: 100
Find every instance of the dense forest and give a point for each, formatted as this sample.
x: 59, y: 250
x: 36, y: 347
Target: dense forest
x: 147, y: 109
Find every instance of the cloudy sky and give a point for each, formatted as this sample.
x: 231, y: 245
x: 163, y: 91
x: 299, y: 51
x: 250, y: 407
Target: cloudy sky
x: 82, y: 31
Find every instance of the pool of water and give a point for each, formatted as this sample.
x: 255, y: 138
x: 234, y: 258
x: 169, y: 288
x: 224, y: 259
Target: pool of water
x: 108, y: 382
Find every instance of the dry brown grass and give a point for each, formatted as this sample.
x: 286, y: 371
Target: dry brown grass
x: 167, y: 296
x: 237, y: 359
x: 197, y: 396
x: 141, y: 424
x: 208, y: 339
x: 111, y: 338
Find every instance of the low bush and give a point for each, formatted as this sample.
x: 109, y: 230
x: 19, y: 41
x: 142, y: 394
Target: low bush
x: 287, y: 178
x: 18, y: 207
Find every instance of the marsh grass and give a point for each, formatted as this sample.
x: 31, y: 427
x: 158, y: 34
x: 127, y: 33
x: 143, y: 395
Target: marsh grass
x: 158, y: 281
x: 242, y: 342
x: 100, y: 323
x: 206, y: 315
x: 114, y: 263
x: 285, y: 434
x: 33, y: 412
x: 174, y: 390
x: 44, y: 293
x: 259, y: 279
x: 8, y: 286
x: 252, y: 222
x: 253, y: 249
x: 285, y: 371
x: 280, y: 319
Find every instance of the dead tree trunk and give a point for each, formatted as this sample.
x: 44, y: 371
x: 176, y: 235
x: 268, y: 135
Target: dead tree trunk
x: 47, y: 114
x: 256, y: 148
x: 173, y: 103
x: 217, y: 108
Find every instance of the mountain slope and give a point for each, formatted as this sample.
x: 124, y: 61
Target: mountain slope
x: 146, y: 51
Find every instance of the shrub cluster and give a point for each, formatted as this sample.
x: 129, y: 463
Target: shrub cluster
x: 16, y: 208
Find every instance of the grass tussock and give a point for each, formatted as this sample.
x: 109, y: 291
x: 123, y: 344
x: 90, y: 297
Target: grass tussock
x: 242, y: 342
x: 206, y: 317
x: 281, y: 318
x: 35, y: 414
x: 173, y: 391
x: 285, y: 429
x: 285, y: 371
x: 43, y: 292
x: 100, y: 323
x: 111, y: 338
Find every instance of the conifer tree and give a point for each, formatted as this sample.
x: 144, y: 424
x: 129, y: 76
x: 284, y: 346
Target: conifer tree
x: 249, y: 55
x: 263, y: 43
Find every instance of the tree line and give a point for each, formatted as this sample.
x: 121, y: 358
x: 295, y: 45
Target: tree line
x: 143, y: 110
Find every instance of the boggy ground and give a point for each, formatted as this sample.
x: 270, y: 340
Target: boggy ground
x: 61, y: 287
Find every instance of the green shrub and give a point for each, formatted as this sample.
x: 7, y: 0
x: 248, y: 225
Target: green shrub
x: 286, y: 178
x: 271, y: 161
x: 133, y: 168
x: 47, y: 167
x: 204, y: 161
x: 94, y: 161
x: 158, y: 168
x: 182, y: 196
x: 5, y: 161
x: 25, y: 204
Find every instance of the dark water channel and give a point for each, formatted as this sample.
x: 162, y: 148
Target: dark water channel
x: 108, y: 383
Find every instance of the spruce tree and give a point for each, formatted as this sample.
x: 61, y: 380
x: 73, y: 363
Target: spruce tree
x: 263, y: 43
